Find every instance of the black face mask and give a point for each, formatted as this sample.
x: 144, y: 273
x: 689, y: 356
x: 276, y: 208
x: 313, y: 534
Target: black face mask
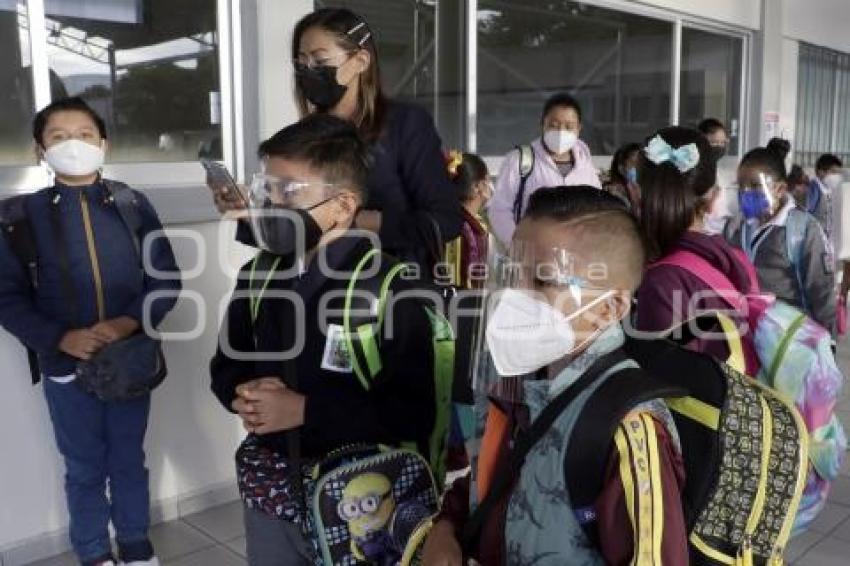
x: 319, y: 85
x: 718, y: 152
x: 278, y: 233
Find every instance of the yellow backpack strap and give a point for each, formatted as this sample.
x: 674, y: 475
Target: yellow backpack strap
x: 736, y: 359
x: 453, y: 258
x: 640, y: 473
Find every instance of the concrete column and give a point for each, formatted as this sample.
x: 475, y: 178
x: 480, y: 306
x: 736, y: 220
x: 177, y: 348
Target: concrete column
x: 450, y: 103
x: 767, y: 86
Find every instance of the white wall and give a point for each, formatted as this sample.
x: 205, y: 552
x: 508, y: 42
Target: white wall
x: 276, y: 21
x: 788, y: 86
x: 821, y: 22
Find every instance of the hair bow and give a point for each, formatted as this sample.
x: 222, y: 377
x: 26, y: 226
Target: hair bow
x: 684, y: 158
x: 453, y: 161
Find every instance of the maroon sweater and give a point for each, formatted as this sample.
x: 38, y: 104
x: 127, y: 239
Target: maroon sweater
x: 666, y: 298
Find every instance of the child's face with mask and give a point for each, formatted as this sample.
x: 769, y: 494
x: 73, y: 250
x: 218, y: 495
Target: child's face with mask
x: 72, y: 146
x: 760, y: 194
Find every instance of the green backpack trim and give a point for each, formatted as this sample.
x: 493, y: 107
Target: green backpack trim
x: 362, y: 339
x: 779, y: 357
x: 443, y: 342
x: 256, y: 296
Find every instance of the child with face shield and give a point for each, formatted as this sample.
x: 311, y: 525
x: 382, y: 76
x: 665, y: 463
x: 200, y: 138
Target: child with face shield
x: 287, y: 363
x: 554, y: 335
x: 788, y: 246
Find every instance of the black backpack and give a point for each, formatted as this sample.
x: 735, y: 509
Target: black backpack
x: 526, y: 166
x: 17, y: 229
x: 744, y: 449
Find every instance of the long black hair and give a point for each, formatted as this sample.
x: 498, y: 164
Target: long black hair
x: 770, y: 159
x: 670, y: 198
x: 352, y: 34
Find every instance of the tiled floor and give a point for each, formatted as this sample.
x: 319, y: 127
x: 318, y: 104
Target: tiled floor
x: 212, y: 538
x: 216, y: 537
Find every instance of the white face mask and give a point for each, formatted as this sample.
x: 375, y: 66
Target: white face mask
x: 559, y: 141
x: 75, y: 158
x: 525, y: 334
x: 833, y: 181
x: 487, y: 193
x: 714, y: 221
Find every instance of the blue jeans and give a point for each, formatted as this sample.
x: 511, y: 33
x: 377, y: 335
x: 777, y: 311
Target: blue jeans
x: 101, y: 441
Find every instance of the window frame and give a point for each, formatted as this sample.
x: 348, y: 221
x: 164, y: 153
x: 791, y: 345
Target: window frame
x: 151, y: 177
x: 678, y: 20
x: 806, y: 147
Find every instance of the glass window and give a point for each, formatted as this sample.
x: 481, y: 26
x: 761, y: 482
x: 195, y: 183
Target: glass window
x: 149, y: 67
x: 16, y: 96
x: 823, y: 103
x: 406, y: 32
x: 618, y: 66
x: 711, y: 81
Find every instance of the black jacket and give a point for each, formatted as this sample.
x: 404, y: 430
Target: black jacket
x: 400, y: 405
x: 409, y: 184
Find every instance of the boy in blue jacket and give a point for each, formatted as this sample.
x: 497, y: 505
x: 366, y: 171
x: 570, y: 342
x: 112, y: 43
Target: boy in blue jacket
x: 83, y: 293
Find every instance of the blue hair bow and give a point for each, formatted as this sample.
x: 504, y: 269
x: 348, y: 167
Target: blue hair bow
x: 684, y: 158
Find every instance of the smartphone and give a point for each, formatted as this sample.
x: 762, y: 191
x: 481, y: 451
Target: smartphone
x: 222, y: 182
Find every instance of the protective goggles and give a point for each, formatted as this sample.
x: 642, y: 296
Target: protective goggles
x: 267, y: 190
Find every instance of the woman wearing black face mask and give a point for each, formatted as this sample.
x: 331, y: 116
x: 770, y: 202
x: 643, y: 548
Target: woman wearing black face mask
x: 412, y: 206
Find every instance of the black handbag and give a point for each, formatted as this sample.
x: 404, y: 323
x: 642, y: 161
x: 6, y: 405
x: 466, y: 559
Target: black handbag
x: 124, y: 370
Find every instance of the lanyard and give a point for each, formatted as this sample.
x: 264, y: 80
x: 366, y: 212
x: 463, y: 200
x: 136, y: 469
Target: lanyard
x: 752, y: 239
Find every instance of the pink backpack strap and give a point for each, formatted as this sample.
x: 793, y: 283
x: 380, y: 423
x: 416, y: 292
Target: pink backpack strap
x: 705, y: 272
x: 749, y: 268
x: 720, y: 284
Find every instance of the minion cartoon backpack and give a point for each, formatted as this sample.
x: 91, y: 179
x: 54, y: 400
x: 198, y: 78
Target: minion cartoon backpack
x: 372, y: 505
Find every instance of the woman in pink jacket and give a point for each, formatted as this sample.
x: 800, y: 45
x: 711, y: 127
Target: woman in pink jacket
x: 557, y: 158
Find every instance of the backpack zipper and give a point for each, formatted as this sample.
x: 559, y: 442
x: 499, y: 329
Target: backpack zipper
x: 95, y: 264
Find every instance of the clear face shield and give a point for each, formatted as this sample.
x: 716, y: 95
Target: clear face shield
x: 757, y: 197
x: 539, y: 312
x: 279, y: 212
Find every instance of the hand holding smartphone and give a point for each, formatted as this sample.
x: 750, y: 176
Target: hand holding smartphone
x: 226, y: 193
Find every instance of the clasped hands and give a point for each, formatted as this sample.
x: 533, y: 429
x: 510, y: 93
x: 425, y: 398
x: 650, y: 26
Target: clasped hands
x: 266, y: 405
x: 83, y: 343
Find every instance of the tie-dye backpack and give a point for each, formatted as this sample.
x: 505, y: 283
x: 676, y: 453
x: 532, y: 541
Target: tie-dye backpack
x: 802, y: 366
x: 795, y: 358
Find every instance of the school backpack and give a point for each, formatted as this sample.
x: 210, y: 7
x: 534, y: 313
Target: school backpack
x: 795, y: 359
x: 526, y: 165
x: 17, y: 229
x: 744, y: 448
x: 364, y: 309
